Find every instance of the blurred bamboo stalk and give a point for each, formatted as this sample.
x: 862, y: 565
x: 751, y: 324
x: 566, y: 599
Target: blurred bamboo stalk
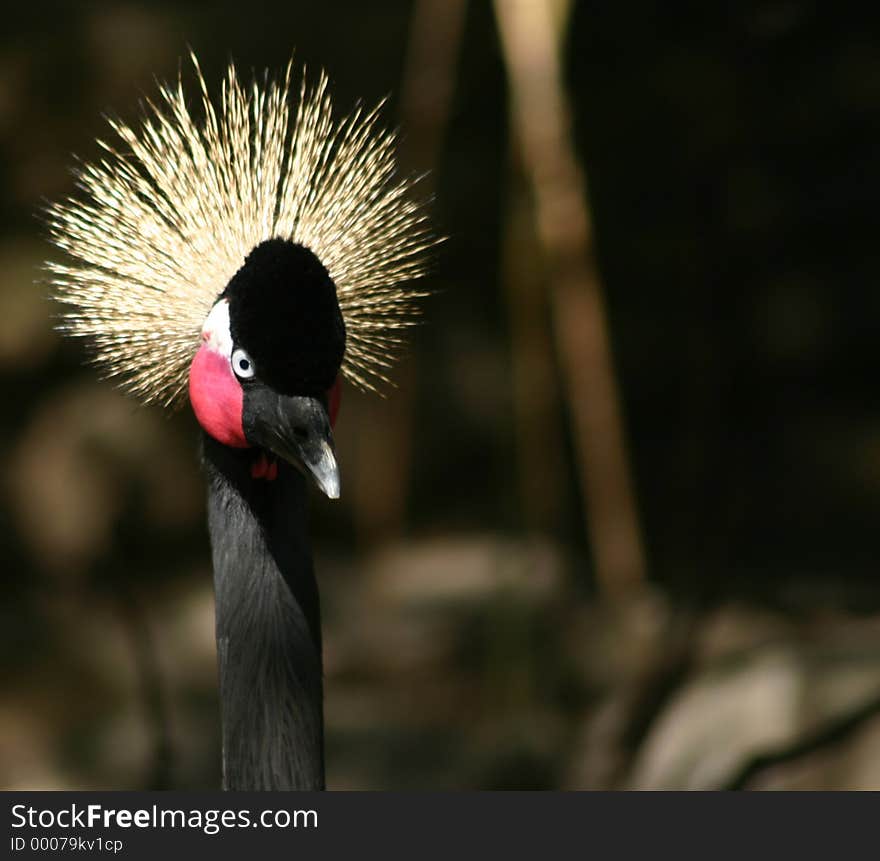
x: 385, y: 443
x: 536, y: 396
x: 428, y: 79
x: 531, y: 38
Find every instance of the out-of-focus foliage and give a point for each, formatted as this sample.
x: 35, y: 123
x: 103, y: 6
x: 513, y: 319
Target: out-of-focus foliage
x: 734, y: 185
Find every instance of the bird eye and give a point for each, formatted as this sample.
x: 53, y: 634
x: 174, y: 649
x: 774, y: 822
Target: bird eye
x: 242, y: 364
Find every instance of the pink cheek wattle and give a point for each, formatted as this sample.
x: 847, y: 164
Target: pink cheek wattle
x: 216, y: 397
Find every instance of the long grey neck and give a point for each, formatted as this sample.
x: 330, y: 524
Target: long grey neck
x: 268, y: 625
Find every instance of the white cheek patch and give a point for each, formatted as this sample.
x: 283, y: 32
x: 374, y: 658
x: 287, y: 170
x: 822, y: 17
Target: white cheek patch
x: 215, y: 332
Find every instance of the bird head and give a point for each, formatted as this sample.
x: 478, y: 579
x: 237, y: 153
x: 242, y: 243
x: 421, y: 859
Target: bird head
x: 254, y: 256
x: 266, y: 373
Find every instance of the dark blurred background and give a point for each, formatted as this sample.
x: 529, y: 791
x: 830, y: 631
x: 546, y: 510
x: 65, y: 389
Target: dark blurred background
x: 616, y: 527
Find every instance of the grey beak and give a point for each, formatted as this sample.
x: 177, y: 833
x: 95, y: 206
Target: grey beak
x: 296, y: 429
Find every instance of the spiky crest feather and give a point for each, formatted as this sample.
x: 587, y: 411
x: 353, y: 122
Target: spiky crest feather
x: 168, y: 220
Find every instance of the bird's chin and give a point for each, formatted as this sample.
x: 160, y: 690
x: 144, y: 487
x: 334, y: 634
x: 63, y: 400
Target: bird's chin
x: 324, y: 474
x: 319, y: 467
x: 264, y: 466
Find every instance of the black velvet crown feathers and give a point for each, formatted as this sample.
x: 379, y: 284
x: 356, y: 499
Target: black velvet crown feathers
x: 284, y: 312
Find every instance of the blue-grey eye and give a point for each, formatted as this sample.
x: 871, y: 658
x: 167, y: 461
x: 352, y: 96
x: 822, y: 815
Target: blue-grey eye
x: 242, y: 364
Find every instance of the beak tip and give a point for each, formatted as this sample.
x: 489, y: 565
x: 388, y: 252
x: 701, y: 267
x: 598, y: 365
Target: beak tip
x: 326, y: 471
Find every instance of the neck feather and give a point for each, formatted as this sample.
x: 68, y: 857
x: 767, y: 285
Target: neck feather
x: 268, y: 625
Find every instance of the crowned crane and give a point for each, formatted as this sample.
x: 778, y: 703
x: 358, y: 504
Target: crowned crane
x: 252, y: 255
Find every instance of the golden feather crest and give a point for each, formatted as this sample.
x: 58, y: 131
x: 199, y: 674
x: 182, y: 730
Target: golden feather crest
x: 165, y: 220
